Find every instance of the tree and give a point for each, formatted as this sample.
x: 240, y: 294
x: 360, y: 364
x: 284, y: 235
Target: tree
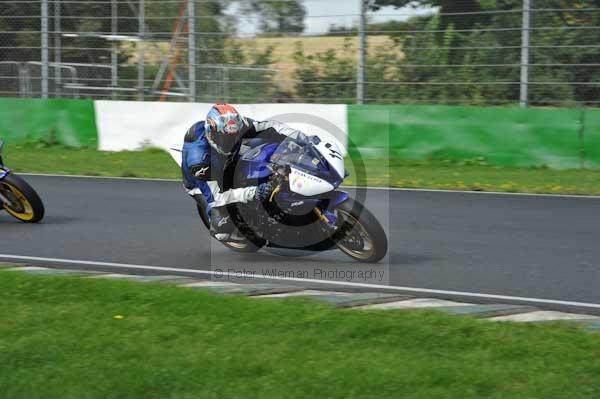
x: 470, y: 54
x: 20, y: 24
x: 277, y: 16
x: 452, y: 11
x: 326, y: 76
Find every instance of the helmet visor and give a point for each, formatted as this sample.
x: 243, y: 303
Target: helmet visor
x: 225, y: 130
x: 231, y: 124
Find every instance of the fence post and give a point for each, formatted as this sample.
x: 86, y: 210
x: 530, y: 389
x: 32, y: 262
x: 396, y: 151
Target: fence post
x: 44, y: 48
x: 362, y: 44
x: 192, y: 49
x: 57, y: 50
x: 113, y: 48
x: 142, y: 37
x: 225, y: 82
x: 525, y: 40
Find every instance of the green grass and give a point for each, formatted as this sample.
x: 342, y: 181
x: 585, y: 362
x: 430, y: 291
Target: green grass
x: 477, y: 176
x: 153, y: 163
x: 59, y: 338
x: 434, y: 174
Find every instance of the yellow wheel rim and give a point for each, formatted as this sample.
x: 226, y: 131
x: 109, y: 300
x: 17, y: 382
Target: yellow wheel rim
x: 27, y: 213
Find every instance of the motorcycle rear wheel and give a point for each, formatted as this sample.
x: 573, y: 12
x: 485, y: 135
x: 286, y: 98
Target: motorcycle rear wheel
x: 25, y: 204
x: 360, y: 235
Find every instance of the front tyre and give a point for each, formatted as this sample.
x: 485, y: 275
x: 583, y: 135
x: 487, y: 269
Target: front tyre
x: 23, y: 203
x: 359, y: 234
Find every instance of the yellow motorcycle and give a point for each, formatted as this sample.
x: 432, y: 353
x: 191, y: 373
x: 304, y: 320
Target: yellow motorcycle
x: 17, y: 197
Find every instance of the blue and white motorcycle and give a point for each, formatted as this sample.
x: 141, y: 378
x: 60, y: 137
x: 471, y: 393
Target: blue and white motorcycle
x: 17, y: 197
x: 306, y: 211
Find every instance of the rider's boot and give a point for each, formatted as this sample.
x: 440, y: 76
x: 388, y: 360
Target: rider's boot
x: 221, y: 225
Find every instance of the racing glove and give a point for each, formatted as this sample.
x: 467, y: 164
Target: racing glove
x: 263, y: 191
x: 304, y: 139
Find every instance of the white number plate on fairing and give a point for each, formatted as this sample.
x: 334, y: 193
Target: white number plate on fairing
x: 308, y: 185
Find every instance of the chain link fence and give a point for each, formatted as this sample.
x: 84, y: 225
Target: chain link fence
x: 11, y: 79
x: 471, y: 52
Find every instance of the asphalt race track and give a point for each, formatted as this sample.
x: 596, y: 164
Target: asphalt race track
x: 513, y: 245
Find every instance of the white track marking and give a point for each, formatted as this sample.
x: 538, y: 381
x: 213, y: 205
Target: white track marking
x: 425, y: 190
x: 210, y: 284
x: 97, y: 177
x: 27, y: 268
x: 301, y: 280
x: 116, y: 276
x: 430, y: 190
x: 306, y: 293
x: 543, y: 315
x: 417, y: 303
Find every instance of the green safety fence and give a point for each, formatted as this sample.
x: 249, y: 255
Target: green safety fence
x: 591, y: 138
x: 61, y: 121
x: 557, y: 138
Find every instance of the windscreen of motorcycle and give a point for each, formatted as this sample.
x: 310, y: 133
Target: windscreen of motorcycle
x: 308, y: 185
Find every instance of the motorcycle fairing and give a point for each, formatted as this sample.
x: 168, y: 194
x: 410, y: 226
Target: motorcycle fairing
x: 308, y: 185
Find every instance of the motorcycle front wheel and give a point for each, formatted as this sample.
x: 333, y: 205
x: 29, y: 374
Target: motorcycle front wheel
x: 23, y: 203
x: 359, y: 234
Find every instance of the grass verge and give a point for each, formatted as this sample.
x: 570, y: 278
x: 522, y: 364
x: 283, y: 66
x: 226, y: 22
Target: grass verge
x: 435, y: 174
x: 467, y: 176
x: 59, y: 338
x: 149, y: 163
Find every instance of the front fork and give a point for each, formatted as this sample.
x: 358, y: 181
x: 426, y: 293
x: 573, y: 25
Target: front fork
x: 328, y: 215
x: 324, y: 211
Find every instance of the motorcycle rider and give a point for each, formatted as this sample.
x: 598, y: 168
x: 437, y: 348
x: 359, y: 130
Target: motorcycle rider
x: 210, y: 153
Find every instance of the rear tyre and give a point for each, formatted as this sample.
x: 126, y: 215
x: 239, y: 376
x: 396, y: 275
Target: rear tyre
x: 24, y: 203
x: 242, y: 246
x: 359, y: 234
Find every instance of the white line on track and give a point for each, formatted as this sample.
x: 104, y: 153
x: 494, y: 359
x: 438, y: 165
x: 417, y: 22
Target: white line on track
x: 221, y: 274
x: 425, y: 190
x: 96, y: 177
